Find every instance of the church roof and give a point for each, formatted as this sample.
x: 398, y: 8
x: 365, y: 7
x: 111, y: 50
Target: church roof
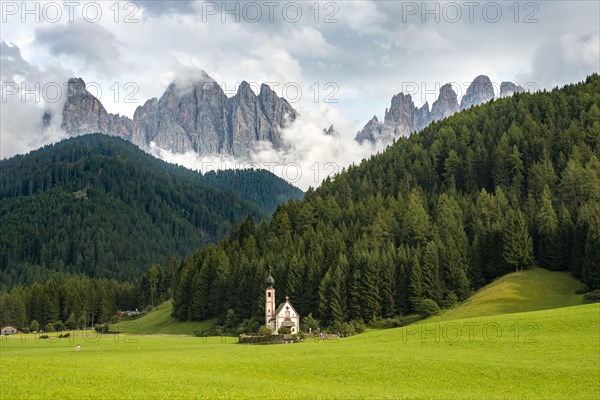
x: 270, y: 281
x: 287, y: 301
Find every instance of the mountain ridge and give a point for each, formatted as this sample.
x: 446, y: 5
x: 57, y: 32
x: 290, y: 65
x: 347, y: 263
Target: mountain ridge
x: 403, y: 117
x: 99, y: 205
x: 189, y: 116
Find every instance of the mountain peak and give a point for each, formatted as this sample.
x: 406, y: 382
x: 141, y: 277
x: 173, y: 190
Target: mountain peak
x: 480, y: 91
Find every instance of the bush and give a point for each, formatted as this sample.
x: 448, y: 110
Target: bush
x: 59, y: 326
x: 592, y: 297
x: 101, y: 328
x: 451, y: 300
x: 34, y: 326
x: 251, y: 325
x: 64, y: 335
x: 264, y: 331
x: 343, y: 329
x: 427, y: 308
x: 71, y: 322
x: 284, y: 330
x: 26, y: 330
x: 49, y: 327
x: 44, y: 336
x: 309, y: 323
x: 359, y: 325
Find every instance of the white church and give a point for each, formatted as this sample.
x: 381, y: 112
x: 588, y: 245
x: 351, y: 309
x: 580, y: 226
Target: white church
x: 284, y: 316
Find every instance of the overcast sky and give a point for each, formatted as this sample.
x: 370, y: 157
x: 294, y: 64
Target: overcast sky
x: 337, y: 62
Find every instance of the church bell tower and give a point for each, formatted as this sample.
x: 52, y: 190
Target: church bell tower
x: 269, y: 300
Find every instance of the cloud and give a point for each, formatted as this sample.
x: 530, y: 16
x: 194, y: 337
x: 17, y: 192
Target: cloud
x: 309, y: 156
x: 567, y: 60
x: 27, y: 94
x: 88, y: 44
x: 162, y: 7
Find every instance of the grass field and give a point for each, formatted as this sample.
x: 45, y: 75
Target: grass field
x: 160, y: 321
x: 492, y: 346
x: 547, y: 354
x: 528, y: 290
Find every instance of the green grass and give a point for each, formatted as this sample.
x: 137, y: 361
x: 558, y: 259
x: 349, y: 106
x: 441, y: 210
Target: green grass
x: 492, y: 346
x: 528, y: 290
x: 159, y: 321
x: 550, y: 354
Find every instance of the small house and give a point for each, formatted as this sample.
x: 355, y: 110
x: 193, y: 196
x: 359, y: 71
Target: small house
x: 9, y: 330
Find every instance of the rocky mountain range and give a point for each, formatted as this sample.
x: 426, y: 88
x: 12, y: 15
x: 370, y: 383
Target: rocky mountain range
x: 199, y: 116
x: 195, y: 117
x: 404, y: 118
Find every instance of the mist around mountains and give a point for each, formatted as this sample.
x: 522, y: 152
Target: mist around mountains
x: 195, y: 124
x: 194, y: 121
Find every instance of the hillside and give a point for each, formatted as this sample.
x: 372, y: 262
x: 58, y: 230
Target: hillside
x: 99, y: 205
x: 529, y: 290
x: 160, y: 321
x: 505, y: 186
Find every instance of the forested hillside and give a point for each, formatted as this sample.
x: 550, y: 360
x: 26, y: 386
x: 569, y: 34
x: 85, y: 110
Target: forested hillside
x: 497, y: 188
x: 100, y: 206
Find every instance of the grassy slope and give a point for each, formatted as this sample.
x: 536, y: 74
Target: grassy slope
x: 529, y: 290
x: 541, y: 354
x: 160, y: 321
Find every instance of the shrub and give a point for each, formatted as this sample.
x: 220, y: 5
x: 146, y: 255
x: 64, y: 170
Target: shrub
x: 64, y: 335
x: 34, y: 326
x: 309, y: 323
x: 264, y: 331
x: 343, y: 328
x: 592, y: 297
x: 71, y: 322
x: 284, y: 330
x: 251, y: 325
x: 59, y: 326
x: 427, y: 308
x: 49, y: 327
x: 359, y: 325
x: 44, y: 336
x: 101, y: 328
x: 26, y: 330
x: 451, y: 300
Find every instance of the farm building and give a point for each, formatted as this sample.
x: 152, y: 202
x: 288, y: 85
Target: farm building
x: 283, y: 316
x: 9, y: 330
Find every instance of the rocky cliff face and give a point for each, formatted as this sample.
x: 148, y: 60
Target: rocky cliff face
x: 331, y: 132
x: 508, y: 89
x: 404, y: 118
x: 195, y: 117
x: 480, y: 91
x: 445, y: 105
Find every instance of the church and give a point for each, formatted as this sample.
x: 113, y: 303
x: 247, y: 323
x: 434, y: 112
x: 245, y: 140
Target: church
x: 284, y: 315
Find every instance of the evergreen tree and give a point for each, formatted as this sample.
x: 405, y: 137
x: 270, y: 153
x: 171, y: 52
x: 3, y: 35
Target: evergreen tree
x: 547, y: 228
x: 517, y: 247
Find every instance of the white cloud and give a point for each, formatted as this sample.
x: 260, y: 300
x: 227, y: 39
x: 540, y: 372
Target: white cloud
x: 28, y: 93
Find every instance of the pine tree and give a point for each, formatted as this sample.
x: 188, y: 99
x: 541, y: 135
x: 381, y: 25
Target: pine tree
x: 432, y: 283
x: 591, y: 260
x: 517, y: 247
x: 547, y: 228
x: 415, y: 287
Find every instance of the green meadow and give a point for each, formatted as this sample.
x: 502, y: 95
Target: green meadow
x: 541, y: 354
x: 546, y: 354
x: 160, y: 321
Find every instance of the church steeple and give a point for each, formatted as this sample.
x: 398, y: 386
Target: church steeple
x: 269, y: 301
